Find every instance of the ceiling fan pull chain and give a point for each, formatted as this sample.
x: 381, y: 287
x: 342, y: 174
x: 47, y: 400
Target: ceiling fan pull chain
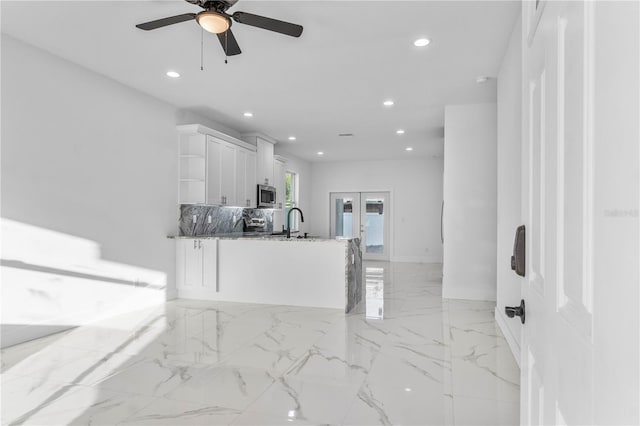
x: 226, y: 46
x: 201, y: 49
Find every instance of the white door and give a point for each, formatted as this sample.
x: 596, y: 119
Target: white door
x: 580, y: 343
x: 363, y: 215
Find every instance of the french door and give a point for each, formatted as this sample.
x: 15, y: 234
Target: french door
x: 363, y: 215
x: 581, y: 184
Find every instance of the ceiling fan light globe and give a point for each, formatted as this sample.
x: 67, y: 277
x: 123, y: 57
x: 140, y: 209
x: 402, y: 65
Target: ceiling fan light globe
x: 213, y: 22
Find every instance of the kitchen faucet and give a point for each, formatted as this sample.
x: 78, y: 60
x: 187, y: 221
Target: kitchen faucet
x: 289, y: 220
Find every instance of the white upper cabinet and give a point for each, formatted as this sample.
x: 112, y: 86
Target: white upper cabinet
x: 265, y: 162
x: 251, y: 188
x: 245, y: 178
x: 193, y: 169
x: 228, y: 175
x: 279, y: 181
x: 214, y: 158
x: 215, y: 168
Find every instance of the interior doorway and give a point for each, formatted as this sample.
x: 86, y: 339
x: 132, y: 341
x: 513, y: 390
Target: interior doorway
x: 363, y: 215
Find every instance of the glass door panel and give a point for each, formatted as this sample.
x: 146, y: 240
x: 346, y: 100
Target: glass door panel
x: 375, y: 220
x: 363, y: 215
x: 345, y: 215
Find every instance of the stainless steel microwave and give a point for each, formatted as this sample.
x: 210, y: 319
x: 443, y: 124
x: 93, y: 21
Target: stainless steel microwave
x: 266, y: 196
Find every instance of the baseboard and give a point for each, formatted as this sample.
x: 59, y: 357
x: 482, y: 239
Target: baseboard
x: 514, y: 344
x: 417, y: 259
x: 468, y: 293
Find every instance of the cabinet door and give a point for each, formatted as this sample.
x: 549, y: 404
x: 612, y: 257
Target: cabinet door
x: 209, y: 254
x: 193, y: 268
x: 251, y: 187
x: 265, y: 162
x: 228, y: 174
x: 214, y: 160
x: 241, y: 174
x: 278, y: 176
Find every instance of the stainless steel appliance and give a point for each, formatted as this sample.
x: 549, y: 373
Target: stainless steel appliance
x: 266, y: 196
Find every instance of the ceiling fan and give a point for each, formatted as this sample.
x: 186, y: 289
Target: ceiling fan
x: 215, y: 19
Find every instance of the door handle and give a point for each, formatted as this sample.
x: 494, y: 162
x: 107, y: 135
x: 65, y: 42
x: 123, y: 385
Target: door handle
x: 516, y: 311
x: 518, y: 258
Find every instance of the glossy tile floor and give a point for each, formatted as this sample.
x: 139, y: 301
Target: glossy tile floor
x: 405, y: 357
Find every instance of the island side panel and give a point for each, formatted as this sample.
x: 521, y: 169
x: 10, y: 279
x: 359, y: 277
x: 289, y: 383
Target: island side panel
x: 353, y: 273
x: 281, y: 272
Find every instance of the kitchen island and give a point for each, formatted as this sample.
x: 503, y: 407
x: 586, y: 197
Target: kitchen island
x: 315, y: 272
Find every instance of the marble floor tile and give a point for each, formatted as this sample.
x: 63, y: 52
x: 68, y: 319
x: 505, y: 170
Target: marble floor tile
x: 306, y: 400
x: 486, y: 412
x: 223, y: 386
x: 404, y: 355
x: 85, y: 405
x: 164, y: 411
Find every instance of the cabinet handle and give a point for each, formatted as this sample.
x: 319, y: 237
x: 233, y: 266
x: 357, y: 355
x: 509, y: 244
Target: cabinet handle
x: 194, y: 244
x: 248, y: 203
x: 199, y: 244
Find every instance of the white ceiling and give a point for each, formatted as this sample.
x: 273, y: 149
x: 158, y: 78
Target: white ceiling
x: 333, y: 79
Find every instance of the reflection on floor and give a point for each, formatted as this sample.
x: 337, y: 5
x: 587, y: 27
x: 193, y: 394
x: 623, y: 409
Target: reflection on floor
x: 405, y: 357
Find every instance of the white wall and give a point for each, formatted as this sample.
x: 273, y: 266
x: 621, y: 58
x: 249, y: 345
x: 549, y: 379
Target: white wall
x: 416, y: 197
x: 509, y: 184
x: 89, y: 190
x: 469, y: 265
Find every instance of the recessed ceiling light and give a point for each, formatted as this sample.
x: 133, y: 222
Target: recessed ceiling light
x: 320, y: 153
x: 248, y: 114
x: 408, y: 148
x: 173, y: 74
x: 400, y: 132
x: 421, y: 42
x: 292, y: 138
x: 388, y: 103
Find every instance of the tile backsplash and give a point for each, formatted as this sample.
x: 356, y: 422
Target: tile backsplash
x: 213, y: 220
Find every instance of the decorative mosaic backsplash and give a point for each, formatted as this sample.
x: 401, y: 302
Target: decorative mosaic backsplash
x: 211, y: 220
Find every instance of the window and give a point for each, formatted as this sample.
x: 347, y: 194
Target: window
x: 291, y: 198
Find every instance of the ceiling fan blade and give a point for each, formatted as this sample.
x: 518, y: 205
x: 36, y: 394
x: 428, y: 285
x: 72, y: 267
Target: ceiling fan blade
x: 229, y: 43
x: 159, y: 23
x: 270, y: 24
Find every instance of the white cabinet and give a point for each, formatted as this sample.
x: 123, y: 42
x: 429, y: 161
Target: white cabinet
x: 265, y: 162
x: 250, y: 184
x: 217, y: 169
x: 196, y: 265
x: 279, y: 182
x: 228, y: 175
x: 245, y: 178
x: 221, y: 172
x: 193, y: 169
